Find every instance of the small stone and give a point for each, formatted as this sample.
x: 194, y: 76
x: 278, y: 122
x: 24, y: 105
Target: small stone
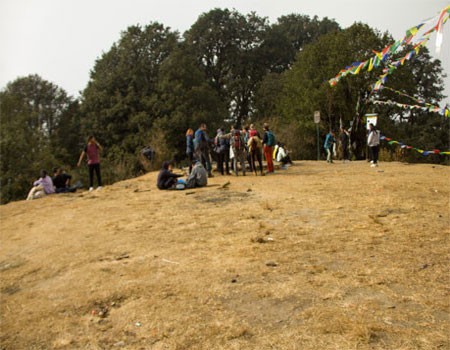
x: 138, y: 324
x: 271, y: 263
x: 120, y: 344
x: 234, y: 280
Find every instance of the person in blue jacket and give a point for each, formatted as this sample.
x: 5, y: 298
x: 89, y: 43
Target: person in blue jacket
x: 330, y: 140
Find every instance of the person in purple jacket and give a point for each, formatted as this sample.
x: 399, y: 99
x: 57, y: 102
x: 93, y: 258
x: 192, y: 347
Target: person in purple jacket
x: 41, y: 187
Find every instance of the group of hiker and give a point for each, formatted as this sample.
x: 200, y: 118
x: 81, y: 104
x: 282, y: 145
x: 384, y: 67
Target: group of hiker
x: 373, y: 143
x: 61, y: 181
x: 232, y: 150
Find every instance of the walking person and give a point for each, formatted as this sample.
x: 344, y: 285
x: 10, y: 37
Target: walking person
x: 328, y: 145
x: 373, y: 141
x: 92, y: 153
x: 190, y: 147
x: 268, y: 143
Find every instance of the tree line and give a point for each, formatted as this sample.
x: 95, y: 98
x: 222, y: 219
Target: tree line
x: 228, y: 68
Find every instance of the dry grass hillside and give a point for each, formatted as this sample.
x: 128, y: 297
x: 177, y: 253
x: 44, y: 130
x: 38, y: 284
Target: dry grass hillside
x: 318, y: 256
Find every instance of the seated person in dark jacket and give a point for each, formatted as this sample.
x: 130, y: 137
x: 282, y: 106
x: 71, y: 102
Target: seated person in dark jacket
x: 61, y: 181
x: 166, y: 179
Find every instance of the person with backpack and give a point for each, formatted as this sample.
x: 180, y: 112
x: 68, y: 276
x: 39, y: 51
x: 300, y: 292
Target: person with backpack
x: 201, y: 148
x: 328, y: 145
x: 254, y: 147
x: 92, y: 153
x: 237, y: 146
x: 269, y: 143
x: 222, y: 148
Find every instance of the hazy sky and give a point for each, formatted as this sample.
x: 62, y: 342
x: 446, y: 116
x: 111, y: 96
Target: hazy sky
x: 60, y: 39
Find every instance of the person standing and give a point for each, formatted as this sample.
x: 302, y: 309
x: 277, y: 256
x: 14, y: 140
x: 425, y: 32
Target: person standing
x: 92, y: 152
x: 345, y: 138
x: 268, y: 143
x: 190, y: 147
x: 254, y: 146
x: 373, y: 141
x: 223, y: 152
x: 328, y: 145
x: 201, y: 148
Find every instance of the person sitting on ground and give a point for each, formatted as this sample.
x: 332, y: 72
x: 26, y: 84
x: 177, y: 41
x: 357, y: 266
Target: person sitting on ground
x: 198, y: 176
x: 166, y: 178
x: 61, y: 181
x: 283, y: 156
x: 41, y: 187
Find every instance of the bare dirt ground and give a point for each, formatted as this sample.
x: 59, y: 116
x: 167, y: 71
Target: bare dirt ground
x: 318, y: 256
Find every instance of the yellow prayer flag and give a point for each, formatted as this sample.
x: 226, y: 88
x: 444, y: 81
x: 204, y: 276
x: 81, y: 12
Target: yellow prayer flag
x: 370, y: 65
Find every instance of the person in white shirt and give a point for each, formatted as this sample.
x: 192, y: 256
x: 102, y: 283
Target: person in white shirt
x: 373, y: 141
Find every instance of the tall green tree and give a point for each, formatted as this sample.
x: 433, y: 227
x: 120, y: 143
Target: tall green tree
x: 120, y: 103
x: 186, y: 100
x: 31, y: 112
x: 286, y: 37
x: 306, y: 88
x: 227, y: 45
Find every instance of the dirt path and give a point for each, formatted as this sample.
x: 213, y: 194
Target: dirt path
x: 318, y: 256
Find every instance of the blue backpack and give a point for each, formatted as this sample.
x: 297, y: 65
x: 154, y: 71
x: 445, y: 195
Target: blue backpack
x: 270, y: 138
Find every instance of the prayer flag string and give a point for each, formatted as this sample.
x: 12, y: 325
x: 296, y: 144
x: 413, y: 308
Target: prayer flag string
x: 421, y: 151
x: 383, y: 55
